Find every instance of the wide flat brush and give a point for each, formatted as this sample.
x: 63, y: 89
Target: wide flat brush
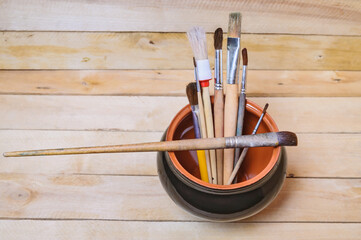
x: 271, y: 139
x: 231, y: 101
x: 201, y: 120
x: 197, y: 39
x: 241, y: 103
x: 191, y: 91
x: 245, y: 150
x: 218, y: 106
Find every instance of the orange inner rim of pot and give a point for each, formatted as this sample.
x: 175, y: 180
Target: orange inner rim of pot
x: 258, y: 162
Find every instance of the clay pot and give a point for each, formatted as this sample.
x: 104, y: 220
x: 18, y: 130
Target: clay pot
x: 259, y: 180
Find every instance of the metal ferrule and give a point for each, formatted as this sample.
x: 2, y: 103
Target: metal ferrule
x: 218, y: 84
x: 233, y: 49
x: 244, y: 77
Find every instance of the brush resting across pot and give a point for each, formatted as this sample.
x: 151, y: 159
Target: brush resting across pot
x: 259, y: 179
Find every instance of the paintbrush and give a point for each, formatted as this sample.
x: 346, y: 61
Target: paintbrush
x: 245, y: 150
x: 202, y: 121
x: 197, y: 39
x: 191, y: 91
x: 271, y: 139
x: 241, y: 103
x: 218, y: 105
x: 231, y: 102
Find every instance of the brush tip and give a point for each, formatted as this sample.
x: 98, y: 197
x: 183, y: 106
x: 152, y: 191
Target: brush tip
x: 197, y: 39
x: 234, y: 25
x: 194, y: 62
x: 191, y: 91
x: 265, y: 108
x: 287, y: 138
x: 218, y: 38
x: 245, y: 56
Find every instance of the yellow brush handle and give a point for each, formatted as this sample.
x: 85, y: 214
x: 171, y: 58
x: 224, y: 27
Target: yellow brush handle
x: 230, y: 124
x: 210, y: 130
x: 202, y: 126
x: 218, y: 130
x: 202, y: 165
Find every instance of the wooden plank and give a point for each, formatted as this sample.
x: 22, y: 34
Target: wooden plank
x: 291, y: 16
x: 334, y: 155
x: 103, y: 230
x: 173, y: 82
x: 84, y: 50
x: 142, y: 198
x: 155, y: 113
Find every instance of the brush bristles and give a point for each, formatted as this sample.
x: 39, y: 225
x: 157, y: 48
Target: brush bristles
x: 265, y: 108
x: 197, y: 39
x: 287, y: 138
x: 191, y: 91
x: 194, y: 62
x: 234, y: 25
x: 245, y: 56
x: 218, y: 38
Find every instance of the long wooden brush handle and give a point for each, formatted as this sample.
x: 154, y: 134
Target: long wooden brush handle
x: 258, y: 140
x: 240, y: 121
x: 218, y: 129
x: 210, y: 130
x: 230, y: 122
x: 202, y: 126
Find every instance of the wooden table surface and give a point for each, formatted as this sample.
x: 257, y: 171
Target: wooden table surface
x: 94, y: 73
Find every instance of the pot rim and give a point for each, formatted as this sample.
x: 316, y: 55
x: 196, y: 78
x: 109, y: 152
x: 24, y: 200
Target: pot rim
x: 251, y: 107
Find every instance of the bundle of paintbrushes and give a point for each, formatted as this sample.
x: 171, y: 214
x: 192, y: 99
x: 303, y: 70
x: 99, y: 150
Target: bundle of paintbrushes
x: 219, y: 143
x: 223, y: 164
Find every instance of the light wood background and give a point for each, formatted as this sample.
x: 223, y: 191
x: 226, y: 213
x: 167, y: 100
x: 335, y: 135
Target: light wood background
x: 78, y: 73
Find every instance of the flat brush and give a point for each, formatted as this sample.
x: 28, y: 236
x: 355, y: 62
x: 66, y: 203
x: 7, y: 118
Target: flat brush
x: 218, y: 106
x: 245, y: 150
x: 197, y: 39
x: 271, y: 139
x: 241, y: 103
x: 231, y: 102
x: 191, y: 91
x: 201, y: 120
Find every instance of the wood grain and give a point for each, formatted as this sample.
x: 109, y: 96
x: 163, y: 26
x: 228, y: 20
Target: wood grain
x: 307, y: 160
x: 104, y: 230
x: 173, y: 82
x: 339, y: 17
x: 84, y: 50
x: 155, y: 113
x: 134, y: 198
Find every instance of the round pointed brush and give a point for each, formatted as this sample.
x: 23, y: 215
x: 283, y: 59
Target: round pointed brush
x: 245, y: 150
x: 197, y: 39
x: 241, y: 103
x: 191, y: 91
x: 218, y: 106
x: 231, y: 101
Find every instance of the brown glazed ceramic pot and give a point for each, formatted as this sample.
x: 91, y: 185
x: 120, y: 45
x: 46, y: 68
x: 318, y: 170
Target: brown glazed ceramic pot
x: 259, y: 180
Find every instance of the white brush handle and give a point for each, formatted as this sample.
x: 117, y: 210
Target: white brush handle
x: 202, y: 126
x: 210, y: 130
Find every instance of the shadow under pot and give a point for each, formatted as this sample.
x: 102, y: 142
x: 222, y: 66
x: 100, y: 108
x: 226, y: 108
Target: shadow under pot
x: 259, y: 180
